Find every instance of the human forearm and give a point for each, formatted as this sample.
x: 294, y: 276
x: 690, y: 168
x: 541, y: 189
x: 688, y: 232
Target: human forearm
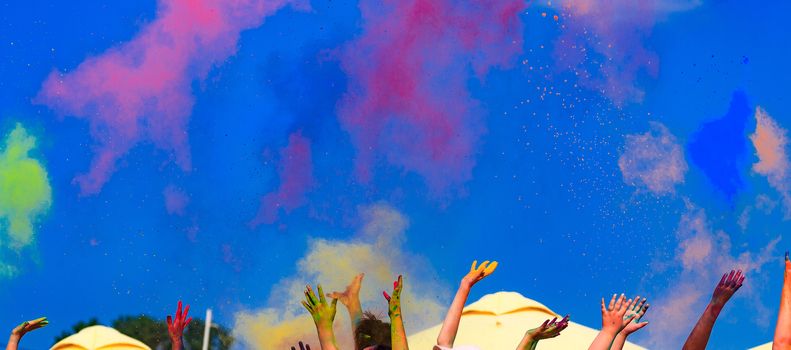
x: 175, y: 344
x: 450, y: 327
x: 619, y: 341
x: 13, y: 342
x: 699, y: 336
x: 528, y: 343
x: 603, y: 340
x: 397, y: 333
x: 326, y: 337
x: 782, y: 338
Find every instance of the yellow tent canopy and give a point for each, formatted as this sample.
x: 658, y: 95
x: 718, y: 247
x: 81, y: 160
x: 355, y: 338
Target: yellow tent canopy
x: 499, y: 321
x: 99, y: 338
x: 767, y: 346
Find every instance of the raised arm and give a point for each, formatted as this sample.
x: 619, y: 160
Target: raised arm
x: 176, y: 326
x: 612, y: 322
x: 782, y: 339
x: 636, y: 311
x: 729, y: 284
x: 397, y: 333
x: 20, y: 331
x: 447, y: 335
x: 545, y: 331
x: 323, y: 314
x: 351, y: 299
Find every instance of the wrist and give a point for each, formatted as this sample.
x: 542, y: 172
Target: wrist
x: 14, y: 338
x: 466, y: 285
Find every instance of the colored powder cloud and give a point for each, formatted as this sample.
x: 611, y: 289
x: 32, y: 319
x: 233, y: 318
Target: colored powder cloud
x: 719, y: 147
x: 295, y: 170
x: 407, y: 102
x: 25, y: 192
x: 375, y: 250
x: 770, y: 140
x: 603, y: 43
x: 653, y: 160
x: 175, y: 200
x: 140, y: 91
x: 701, y: 256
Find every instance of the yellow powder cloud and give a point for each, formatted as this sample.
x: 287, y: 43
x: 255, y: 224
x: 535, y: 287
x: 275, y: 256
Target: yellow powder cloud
x: 375, y: 250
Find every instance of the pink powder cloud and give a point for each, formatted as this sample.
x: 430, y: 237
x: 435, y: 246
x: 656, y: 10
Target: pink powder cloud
x: 770, y: 140
x: 653, y: 160
x: 175, y: 200
x: 295, y: 171
x: 610, y: 35
x: 702, y: 256
x: 140, y: 90
x: 407, y: 103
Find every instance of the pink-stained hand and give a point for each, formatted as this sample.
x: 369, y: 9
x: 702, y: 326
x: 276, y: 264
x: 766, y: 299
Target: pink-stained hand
x: 729, y: 284
x: 176, y: 325
x: 549, y: 329
x: 351, y: 296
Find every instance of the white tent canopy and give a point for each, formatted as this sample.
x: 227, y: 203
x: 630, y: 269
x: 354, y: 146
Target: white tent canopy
x: 499, y: 321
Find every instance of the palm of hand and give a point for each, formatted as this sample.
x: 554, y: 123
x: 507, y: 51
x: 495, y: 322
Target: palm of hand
x: 321, y: 311
x: 636, y: 312
x: 478, y: 273
x: 729, y: 284
x: 613, y: 316
x: 352, y: 292
x: 394, y: 301
x: 28, y: 326
x: 549, y: 329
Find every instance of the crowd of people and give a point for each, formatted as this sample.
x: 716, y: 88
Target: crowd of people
x: 620, y: 317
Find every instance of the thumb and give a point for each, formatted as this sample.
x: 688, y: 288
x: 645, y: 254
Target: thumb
x: 641, y: 325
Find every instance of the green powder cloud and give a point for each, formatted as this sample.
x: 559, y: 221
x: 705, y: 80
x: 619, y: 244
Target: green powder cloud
x: 25, y: 192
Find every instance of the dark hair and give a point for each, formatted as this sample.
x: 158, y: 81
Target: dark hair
x: 372, y: 332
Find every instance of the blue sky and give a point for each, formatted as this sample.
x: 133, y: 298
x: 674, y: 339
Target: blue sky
x: 545, y: 195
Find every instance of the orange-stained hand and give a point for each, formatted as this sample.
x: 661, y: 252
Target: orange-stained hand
x: 478, y: 273
x: 612, y: 317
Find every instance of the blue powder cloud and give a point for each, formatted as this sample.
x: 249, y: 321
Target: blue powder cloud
x: 719, y: 147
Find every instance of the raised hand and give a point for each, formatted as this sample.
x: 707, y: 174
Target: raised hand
x: 302, y: 347
x: 729, y: 284
x: 614, y: 317
x: 323, y: 313
x: 636, y: 312
x: 351, y: 295
x: 394, y: 302
x: 176, y: 326
x: 397, y: 332
x: 613, y: 320
x: 23, y: 328
x: 478, y: 273
x: 549, y: 329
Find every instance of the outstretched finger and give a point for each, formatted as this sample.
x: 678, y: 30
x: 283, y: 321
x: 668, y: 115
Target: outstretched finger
x: 619, y: 303
x: 305, y: 304
x: 169, y: 321
x: 612, y: 302
x: 488, y: 271
x: 334, y: 303
x: 186, y: 311
x: 387, y: 296
x: 473, y: 268
x: 322, y: 299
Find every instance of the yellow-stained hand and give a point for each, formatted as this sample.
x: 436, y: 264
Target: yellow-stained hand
x: 323, y: 313
x: 28, y: 326
x: 478, y: 273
